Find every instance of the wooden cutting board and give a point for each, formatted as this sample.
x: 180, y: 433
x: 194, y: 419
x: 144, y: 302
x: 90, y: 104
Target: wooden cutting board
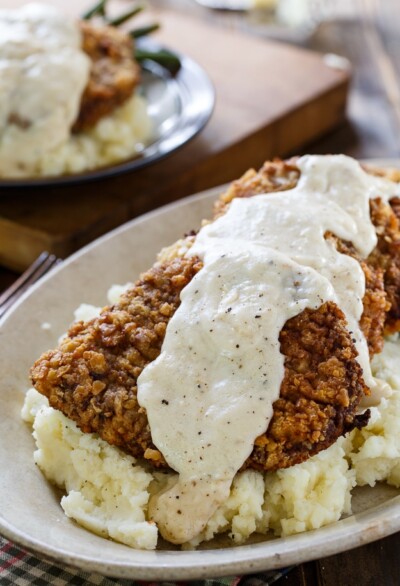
x: 272, y: 100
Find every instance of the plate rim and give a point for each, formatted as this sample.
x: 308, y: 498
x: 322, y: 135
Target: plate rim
x: 369, y: 525
x: 223, y: 564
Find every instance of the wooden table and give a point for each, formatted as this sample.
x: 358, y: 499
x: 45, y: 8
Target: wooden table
x: 372, y: 42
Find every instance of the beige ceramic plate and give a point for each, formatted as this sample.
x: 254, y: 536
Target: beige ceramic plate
x: 30, y: 513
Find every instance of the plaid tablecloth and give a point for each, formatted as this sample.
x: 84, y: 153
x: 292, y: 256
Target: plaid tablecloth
x: 19, y: 568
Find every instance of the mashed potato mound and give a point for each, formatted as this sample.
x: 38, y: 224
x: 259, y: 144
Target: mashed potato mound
x: 107, y: 491
x: 310, y: 495
x: 115, y: 138
x: 305, y: 496
x: 375, y: 452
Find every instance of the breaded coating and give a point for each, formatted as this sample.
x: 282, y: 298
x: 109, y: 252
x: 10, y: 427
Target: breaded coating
x: 320, y: 391
x: 375, y: 300
x: 272, y: 177
x: 382, y: 268
x: 114, y: 73
x: 92, y: 376
x: 387, y: 255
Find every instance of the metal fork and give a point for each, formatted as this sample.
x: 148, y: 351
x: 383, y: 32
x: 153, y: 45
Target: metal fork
x: 42, y: 265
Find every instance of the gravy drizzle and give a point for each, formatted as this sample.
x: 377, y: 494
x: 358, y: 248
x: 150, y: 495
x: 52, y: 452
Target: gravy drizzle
x: 210, y: 393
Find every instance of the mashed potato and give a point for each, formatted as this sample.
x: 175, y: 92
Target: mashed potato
x: 113, y: 139
x: 375, y: 451
x: 107, y: 491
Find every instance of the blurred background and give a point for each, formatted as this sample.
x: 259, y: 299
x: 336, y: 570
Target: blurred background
x: 365, y: 32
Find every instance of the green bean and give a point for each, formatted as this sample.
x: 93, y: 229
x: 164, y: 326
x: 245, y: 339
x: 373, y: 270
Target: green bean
x: 97, y: 9
x: 144, y: 30
x: 126, y: 16
x: 164, y: 58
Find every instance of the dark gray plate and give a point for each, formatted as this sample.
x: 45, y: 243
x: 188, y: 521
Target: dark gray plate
x: 179, y: 106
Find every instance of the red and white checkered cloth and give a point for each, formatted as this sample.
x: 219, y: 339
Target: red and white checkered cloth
x: 19, y: 568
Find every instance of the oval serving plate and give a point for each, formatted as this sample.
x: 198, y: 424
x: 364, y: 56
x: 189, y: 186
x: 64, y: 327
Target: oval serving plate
x: 179, y: 107
x: 30, y: 513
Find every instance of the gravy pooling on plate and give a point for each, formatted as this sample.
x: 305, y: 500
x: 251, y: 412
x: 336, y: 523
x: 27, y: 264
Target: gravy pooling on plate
x: 209, y: 394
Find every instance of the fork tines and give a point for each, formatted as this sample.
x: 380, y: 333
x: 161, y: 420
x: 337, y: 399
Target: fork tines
x: 37, y: 269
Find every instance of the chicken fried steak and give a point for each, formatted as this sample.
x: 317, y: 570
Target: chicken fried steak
x: 113, y: 76
x: 319, y: 394
x: 92, y: 376
x: 381, y: 269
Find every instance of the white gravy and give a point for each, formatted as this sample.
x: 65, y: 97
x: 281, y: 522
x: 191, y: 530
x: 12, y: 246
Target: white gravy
x: 209, y: 394
x: 43, y: 73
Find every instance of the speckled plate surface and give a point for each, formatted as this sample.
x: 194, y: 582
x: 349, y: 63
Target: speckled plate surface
x: 30, y: 513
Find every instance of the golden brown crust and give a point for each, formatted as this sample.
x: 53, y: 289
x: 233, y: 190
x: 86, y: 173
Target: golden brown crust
x: 375, y: 300
x: 92, y: 376
x: 114, y: 73
x: 382, y: 268
x: 321, y: 389
x: 386, y: 255
x: 272, y: 177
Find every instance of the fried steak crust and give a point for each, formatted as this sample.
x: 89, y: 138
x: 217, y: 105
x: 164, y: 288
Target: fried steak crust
x: 319, y: 394
x: 114, y: 73
x: 92, y: 376
x: 381, y: 269
x: 386, y: 256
